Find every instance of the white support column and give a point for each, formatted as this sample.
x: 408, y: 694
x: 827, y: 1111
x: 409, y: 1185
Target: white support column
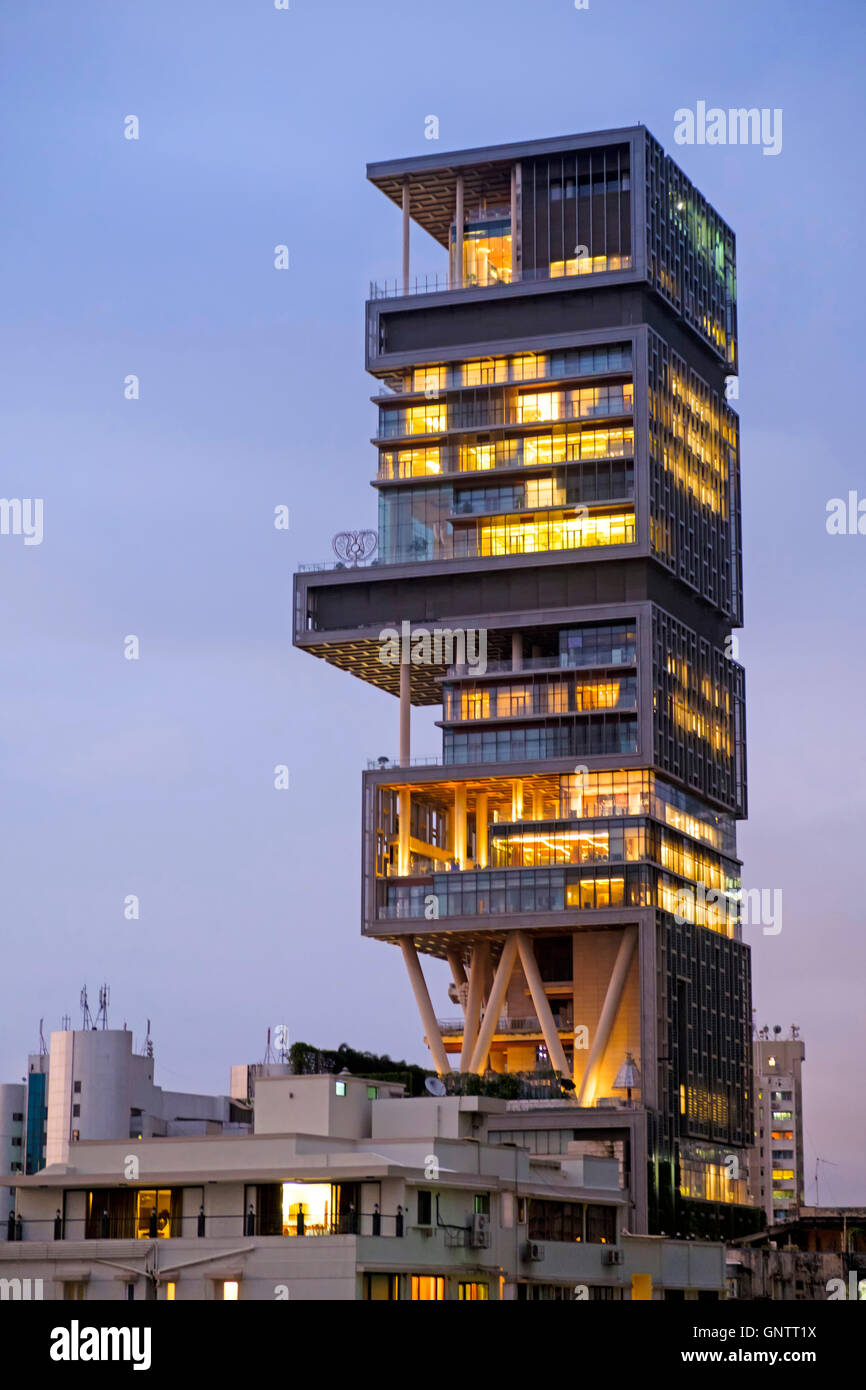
x: 481, y: 827
x: 460, y: 824
x: 494, y: 1003
x: 607, y: 1018
x: 405, y: 713
x: 555, y: 1050
x: 477, y: 977
x: 405, y: 236
x: 458, y: 233
x: 404, y: 808
x: 425, y: 1008
x: 517, y: 799
x: 515, y: 221
x: 458, y: 971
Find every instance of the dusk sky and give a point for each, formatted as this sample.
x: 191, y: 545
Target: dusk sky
x: 155, y: 257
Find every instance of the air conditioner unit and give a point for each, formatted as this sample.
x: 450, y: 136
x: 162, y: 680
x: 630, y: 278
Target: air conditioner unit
x: 480, y: 1239
x: 611, y: 1256
x: 534, y: 1251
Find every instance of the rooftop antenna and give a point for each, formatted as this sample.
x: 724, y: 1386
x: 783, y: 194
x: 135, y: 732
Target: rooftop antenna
x: 148, y: 1042
x: 795, y: 1031
x: 819, y: 1160
x: 102, y: 1013
x: 269, y: 1051
x: 86, y: 1015
x: 43, y: 1050
x: 65, y: 1023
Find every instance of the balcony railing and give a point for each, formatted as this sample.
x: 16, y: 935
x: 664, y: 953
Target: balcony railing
x: 620, y: 656
x: 441, y: 282
x: 451, y: 1027
x: 491, y: 416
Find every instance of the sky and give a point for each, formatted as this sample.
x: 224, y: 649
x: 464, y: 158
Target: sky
x: 154, y: 258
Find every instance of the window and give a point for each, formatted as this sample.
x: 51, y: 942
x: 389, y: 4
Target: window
x: 17, y: 1115
x: 425, y: 1208
x: 601, y: 1225
x: 381, y: 1288
x: 372, y: 1092
x: 16, y: 1142
x: 428, y: 1288
x: 73, y: 1291
x: 340, y: 1088
x: 76, y: 1086
x: 76, y: 1111
x: 556, y: 1221
x: 130, y: 1293
x: 231, y: 1290
x: 170, y: 1291
x: 473, y: 1292
x: 482, y: 1204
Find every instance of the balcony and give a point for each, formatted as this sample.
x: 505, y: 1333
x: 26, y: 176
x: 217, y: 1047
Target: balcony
x: 453, y: 1027
x: 442, y: 283
x: 496, y: 415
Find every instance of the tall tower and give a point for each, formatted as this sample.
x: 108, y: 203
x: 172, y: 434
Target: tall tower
x: 559, y: 569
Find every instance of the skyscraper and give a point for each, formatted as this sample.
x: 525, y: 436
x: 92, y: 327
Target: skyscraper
x: 559, y: 568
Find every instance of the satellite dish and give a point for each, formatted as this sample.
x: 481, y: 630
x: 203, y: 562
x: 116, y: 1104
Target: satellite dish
x: 435, y: 1086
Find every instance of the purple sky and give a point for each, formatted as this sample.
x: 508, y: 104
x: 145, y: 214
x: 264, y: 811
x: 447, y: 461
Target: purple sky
x: 155, y: 257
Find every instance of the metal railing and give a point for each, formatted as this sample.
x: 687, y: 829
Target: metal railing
x: 564, y: 1024
x: 492, y: 416
x: 381, y: 764
x: 249, y: 1223
x: 439, y: 282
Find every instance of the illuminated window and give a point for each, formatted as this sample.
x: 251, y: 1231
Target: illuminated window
x: 473, y: 1292
x: 170, y: 1291
x: 428, y: 1288
x: 783, y: 1175
x: 486, y: 252
x: 307, y: 1208
x: 231, y: 1290
x: 153, y: 1214
x: 372, y: 1092
x: 340, y: 1088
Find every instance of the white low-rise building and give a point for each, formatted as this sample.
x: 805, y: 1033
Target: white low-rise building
x: 346, y: 1190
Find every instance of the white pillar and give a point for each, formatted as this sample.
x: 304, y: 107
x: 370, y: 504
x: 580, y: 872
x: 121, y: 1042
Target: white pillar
x: 405, y: 236
x: 458, y: 233
x: 515, y: 229
x: 549, y: 1030
x: 477, y: 976
x: 425, y: 1008
x: 405, y: 713
x: 609, y: 1010
x: 460, y: 824
x: 494, y: 1003
x: 458, y: 971
x: 404, y: 808
x: 481, y: 830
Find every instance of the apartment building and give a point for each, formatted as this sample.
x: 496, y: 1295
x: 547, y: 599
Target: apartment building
x: 347, y: 1190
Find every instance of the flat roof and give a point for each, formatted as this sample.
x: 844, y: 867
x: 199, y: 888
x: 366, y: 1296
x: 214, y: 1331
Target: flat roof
x: 486, y: 170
